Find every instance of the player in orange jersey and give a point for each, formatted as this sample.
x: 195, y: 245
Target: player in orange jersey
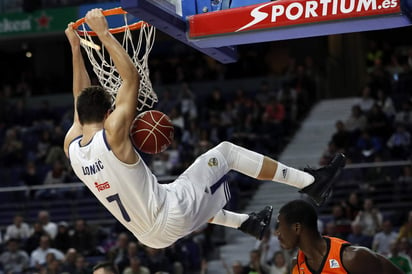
x: 297, y: 227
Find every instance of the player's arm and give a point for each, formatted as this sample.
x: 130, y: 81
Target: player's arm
x: 359, y: 260
x: 118, y: 123
x: 294, y: 266
x: 81, y: 80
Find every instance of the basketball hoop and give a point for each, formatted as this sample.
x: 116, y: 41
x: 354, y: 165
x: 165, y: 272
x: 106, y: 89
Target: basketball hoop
x: 139, y: 50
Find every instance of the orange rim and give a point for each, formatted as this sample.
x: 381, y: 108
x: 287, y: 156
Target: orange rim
x: 114, y: 11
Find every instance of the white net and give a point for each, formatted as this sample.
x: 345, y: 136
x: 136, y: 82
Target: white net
x: 139, y: 50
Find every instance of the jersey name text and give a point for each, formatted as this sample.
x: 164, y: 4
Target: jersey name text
x: 92, y: 169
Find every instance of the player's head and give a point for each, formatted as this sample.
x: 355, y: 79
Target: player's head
x: 296, y: 218
x: 105, y: 268
x: 300, y: 211
x: 93, y: 104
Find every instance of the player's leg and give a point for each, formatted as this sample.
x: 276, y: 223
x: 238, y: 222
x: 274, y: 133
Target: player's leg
x: 254, y: 224
x: 315, y: 183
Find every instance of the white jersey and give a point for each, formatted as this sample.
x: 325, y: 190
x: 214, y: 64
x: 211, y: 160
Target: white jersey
x: 157, y: 214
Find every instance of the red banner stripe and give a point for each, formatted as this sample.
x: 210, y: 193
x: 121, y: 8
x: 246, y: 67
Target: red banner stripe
x: 284, y: 13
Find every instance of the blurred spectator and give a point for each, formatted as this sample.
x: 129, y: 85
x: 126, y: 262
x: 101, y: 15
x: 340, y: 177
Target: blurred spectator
x: 368, y: 146
x: 215, y: 103
x: 274, y: 111
x: 118, y: 253
x: 18, y: 230
x: 404, y: 183
x: 352, y: 206
x: 405, y: 248
x: 188, y: 106
x: 278, y: 264
x: 330, y: 229
x: 31, y: 177
x: 62, y: 241
x: 376, y: 176
x: 395, y: 68
x: 81, y: 265
x: 399, y: 143
x: 14, y: 259
x: 328, y: 153
x: 157, y: 261
x: 21, y: 114
x: 174, y: 163
x: 399, y: 260
x: 178, y: 122
x: 69, y: 262
x: 268, y: 246
x: 82, y: 238
x: 227, y: 118
x: 366, y: 101
x: 379, y: 76
x: 383, y: 240
x: 56, y: 153
x: 268, y: 136
x: 385, y: 102
x: 186, y: 253
x: 377, y: 123
x: 38, y: 256
x: 166, y: 101
x: 370, y: 218
x: 356, y: 122
x: 341, y: 137
x: 351, y: 175
x: 404, y: 115
x: 236, y: 268
x: 12, y: 149
x: 52, y: 264
x: 304, y: 88
x: 405, y: 230
x: 50, y: 227
x: 264, y: 93
x: 43, y: 145
x: 159, y: 164
x: 373, y: 53
x: 45, y: 115
x: 33, y: 241
x: 136, y: 267
x: 358, y: 238
x: 253, y: 265
x: 342, y: 224
x: 105, y: 267
x: 57, y: 175
x: 134, y: 250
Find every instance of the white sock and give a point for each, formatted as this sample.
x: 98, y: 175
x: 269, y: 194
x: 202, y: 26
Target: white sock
x: 292, y: 176
x: 229, y: 218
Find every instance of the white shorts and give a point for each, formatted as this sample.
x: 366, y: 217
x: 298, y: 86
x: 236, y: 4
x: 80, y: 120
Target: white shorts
x: 193, y: 198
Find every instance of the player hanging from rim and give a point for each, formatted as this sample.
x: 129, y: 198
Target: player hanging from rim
x: 297, y: 227
x: 160, y: 214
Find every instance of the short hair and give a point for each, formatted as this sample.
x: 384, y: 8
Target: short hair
x: 300, y: 211
x: 92, y: 104
x: 109, y: 267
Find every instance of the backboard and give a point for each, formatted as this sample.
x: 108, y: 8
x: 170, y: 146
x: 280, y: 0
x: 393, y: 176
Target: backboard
x: 169, y: 16
x: 215, y: 27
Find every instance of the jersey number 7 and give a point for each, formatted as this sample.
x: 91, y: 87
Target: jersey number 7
x: 116, y: 198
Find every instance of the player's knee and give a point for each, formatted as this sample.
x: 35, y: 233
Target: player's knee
x: 224, y: 148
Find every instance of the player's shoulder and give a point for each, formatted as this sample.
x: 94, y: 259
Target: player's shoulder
x: 352, y: 252
x: 359, y: 258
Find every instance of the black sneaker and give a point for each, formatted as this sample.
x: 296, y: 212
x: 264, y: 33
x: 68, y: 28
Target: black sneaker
x: 320, y: 190
x: 257, y: 223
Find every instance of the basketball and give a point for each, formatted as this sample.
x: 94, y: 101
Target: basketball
x: 152, y: 132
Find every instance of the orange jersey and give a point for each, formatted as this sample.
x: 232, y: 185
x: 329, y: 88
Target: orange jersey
x: 331, y: 263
